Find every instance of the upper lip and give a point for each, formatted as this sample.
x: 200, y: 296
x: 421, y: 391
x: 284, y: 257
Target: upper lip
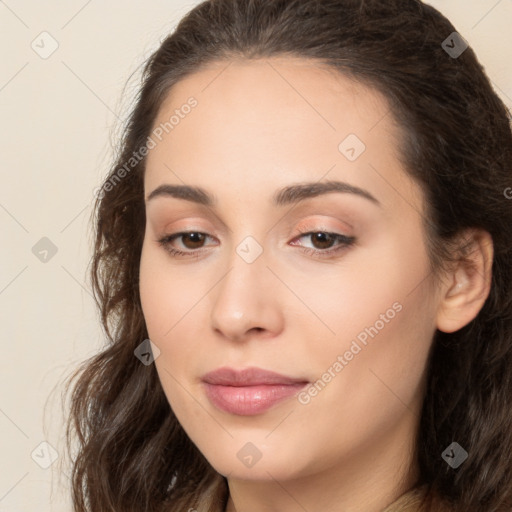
x: 248, y: 377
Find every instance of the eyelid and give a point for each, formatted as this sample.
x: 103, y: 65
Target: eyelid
x: 310, y: 226
x: 338, y: 217
x: 306, y: 227
x: 169, y: 219
x: 303, y: 226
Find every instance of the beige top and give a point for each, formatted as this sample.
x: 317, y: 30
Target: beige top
x: 408, y: 502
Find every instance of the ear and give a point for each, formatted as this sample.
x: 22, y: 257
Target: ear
x: 468, y: 283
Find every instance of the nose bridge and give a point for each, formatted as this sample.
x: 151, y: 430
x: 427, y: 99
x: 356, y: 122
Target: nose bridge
x: 243, y: 300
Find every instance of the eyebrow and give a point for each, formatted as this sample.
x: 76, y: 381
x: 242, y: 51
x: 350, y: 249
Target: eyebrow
x: 283, y: 197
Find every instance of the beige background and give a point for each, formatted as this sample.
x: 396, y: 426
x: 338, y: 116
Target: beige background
x: 59, y: 116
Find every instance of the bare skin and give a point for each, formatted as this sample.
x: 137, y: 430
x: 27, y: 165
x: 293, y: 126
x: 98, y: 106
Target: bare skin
x: 260, y: 126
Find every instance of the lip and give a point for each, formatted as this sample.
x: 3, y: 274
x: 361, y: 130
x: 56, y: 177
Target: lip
x: 249, y: 391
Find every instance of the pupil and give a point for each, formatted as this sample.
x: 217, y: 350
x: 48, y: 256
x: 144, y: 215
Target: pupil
x: 196, y: 240
x: 325, y: 240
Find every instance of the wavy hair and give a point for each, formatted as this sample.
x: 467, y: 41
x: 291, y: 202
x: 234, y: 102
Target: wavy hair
x: 129, y: 452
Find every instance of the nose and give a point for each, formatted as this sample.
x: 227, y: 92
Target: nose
x: 245, y: 302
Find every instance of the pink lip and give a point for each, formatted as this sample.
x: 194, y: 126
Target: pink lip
x: 249, y: 391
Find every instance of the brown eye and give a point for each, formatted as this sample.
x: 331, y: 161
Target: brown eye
x: 324, y: 243
x: 185, y: 243
x: 322, y: 240
x: 193, y: 240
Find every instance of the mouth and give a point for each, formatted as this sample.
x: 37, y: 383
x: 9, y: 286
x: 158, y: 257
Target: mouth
x: 249, y: 391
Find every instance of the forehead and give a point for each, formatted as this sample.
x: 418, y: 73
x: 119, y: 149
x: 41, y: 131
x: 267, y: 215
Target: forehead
x: 261, y: 90
x: 273, y: 121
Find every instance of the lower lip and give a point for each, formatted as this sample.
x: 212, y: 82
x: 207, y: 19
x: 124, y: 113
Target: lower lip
x: 249, y: 400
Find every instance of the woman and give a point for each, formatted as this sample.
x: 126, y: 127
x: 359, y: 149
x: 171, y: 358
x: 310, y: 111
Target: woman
x: 309, y: 220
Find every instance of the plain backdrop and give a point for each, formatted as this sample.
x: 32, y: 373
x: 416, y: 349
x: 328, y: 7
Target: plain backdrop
x: 59, y: 116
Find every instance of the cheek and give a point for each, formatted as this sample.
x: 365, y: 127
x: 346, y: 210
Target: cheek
x: 383, y: 336
x: 378, y: 384
x: 167, y: 295
x: 382, y: 315
x: 166, y: 302
x: 375, y: 289
x: 173, y: 305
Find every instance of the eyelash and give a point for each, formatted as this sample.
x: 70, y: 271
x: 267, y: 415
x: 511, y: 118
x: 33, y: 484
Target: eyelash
x: 344, y: 243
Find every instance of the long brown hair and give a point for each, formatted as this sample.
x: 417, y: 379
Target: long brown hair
x: 130, y: 453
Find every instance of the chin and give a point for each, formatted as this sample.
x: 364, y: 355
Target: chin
x: 261, y: 471
x: 245, y: 460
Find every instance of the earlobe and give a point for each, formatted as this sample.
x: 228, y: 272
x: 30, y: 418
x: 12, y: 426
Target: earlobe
x: 468, y: 285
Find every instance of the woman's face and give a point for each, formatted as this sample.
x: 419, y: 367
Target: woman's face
x: 328, y: 286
